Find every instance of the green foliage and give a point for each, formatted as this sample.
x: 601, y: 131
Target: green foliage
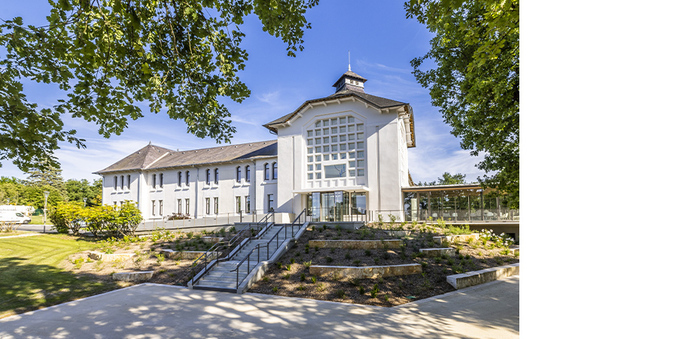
x: 112, y: 56
x: 476, y: 50
x: 67, y: 217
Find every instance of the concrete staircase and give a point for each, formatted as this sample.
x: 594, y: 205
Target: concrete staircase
x: 227, y: 275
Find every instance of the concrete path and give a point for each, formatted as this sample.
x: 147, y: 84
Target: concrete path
x: 19, y: 236
x: 159, y: 311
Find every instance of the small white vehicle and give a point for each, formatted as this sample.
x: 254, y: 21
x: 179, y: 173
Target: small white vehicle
x: 12, y: 217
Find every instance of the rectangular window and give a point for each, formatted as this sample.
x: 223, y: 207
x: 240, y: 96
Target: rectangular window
x: 216, y: 205
x: 247, y: 204
x: 270, y: 203
x: 128, y: 182
x: 161, y: 181
x: 310, y: 176
x: 160, y: 208
x: 238, y: 174
x: 116, y: 184
x: 207, y: 204
x: 208, y: 176
x: 238, y: 204
x: 310, y: 133
x: 274, y: 171
x: 153, y: 208
x: 187, y: 206
x: 179, y: 206
x: 179, y: 179
x: 187, y: 178
x: 247, y: 173
x: 216, y: 176
x: 122, y: 183
x: 335, y: 171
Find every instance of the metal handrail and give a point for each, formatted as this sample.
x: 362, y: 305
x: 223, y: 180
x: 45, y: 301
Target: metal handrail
x: 215, y: 248
x: 267, y: 245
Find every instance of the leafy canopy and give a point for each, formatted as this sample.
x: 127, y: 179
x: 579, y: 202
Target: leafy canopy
x: 109, y: 56
x: 475, y: 82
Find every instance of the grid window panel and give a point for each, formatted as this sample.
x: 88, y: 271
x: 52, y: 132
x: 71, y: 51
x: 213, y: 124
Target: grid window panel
x: 310, y: 150
x: 318, y: 175
x: 360, y: 145
x: 318, y: 141
x: 352, y: 172
x: 318, y: 123
x: 318, y: 149
x: 342, y: 120
x: 334, y: 130
x: 351, y: 155
x: 360, y: 154
x: 334, y: 121
x: 351, y: 120
x: 310, y: 168
x: 360, y: 127
x: 334, y: 148
x: 343, y: 155
x: 360, y: 136
x: 318, y: 132
x: 318, y: 158
x: 310, y: 133
x: 360, y: 172
x: 325, y: 140
x: 351, y: 164
x: 318, y: 167
x: 310, y: 141
x: 334, y: 138
x: 343, y: 129
x: 311, y: 176
x: 360, y: 163
x: 310, y: 158
x: 325, y: 123
x: 343, y: 138
x: 325, y: 148
x: 343, y: 147
x: 351, y: 128
x: 325, y: 131
x: 325, y: 157
x: 351, y: 137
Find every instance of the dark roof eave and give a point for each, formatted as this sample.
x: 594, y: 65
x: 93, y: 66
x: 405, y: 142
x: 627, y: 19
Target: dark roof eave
x: 270, y: 125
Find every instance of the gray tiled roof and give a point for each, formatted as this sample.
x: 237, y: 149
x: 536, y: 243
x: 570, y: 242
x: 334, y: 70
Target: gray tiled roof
x: 350, y: 74
x: 374, y: 100
x: 137, y: 160
x: 168, y: 158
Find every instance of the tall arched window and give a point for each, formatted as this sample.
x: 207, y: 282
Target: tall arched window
x: 216, y: 176
x: 247, y: 173
x: 208, y: 176
x: 115, y: 182
x: 179, y: 179
x: 187, y: 178
x: 161, y: 180
x: 238, y: 173
x: 267, y: 171
x: 274, y: 171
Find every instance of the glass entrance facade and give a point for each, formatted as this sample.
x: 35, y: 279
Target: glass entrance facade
x: 337, y: 206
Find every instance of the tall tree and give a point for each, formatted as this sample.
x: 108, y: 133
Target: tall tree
x: 475, y: 82
x: 111, y: 55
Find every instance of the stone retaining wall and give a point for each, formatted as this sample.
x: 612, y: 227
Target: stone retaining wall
x: 356, y: 244
x: 364, y: 272
x: 459, y: 237
x: 182, y: 254
x: 133, y: 276
x: 436, y: 252
x: 109, y: 257
x: 483, y: 276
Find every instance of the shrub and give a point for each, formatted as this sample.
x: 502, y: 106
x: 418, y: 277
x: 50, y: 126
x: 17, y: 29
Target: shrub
x: 340, y: 294
x: 362, y: 290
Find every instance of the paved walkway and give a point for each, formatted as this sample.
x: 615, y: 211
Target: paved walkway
x: 19, y: 236
x: 159, y: 311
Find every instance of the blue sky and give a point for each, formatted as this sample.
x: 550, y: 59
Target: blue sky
x: 381, y: 41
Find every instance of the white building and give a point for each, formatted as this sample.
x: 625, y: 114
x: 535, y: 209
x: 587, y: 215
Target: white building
x: 342, y: 157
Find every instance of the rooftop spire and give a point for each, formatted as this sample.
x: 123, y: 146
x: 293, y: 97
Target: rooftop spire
x: 349, y: 70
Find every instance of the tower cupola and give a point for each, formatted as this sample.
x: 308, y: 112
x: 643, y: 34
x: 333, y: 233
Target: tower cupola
x: 350, y: 81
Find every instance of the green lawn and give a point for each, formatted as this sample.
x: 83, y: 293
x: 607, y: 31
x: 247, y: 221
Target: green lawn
x: 39, y: 220
x: 30, y: 277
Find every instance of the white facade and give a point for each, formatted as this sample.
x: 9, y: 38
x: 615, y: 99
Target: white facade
x: 343, y: 157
